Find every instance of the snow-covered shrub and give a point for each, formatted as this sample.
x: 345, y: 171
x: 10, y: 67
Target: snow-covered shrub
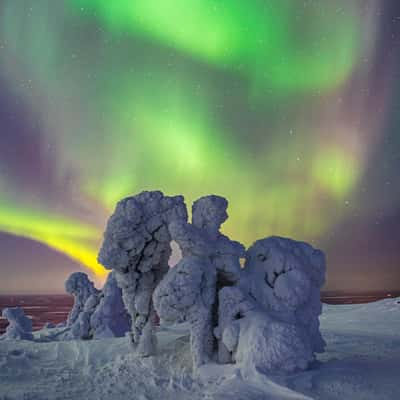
x: 136, y: 246
x: 188, y: 291
x: 79, y: 286
x: 20, y: 326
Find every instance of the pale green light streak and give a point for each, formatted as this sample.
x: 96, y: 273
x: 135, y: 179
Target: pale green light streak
x: 335, y: 171
x: 267, y: 41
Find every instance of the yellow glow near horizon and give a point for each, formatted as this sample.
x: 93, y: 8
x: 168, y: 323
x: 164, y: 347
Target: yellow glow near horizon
x: 77, y: 240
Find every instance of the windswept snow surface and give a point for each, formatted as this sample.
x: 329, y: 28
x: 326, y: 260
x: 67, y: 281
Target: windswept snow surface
x: 362, y: 361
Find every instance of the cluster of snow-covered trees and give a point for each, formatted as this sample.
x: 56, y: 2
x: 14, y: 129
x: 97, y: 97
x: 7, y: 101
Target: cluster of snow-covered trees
x: 262, y: 315
x: 96, y: 314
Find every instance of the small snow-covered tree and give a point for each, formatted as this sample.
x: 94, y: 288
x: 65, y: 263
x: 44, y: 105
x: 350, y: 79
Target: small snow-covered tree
x: 110, y: 318
x: 79, y: 286
x: 103, y: 314
x: 20, y: 326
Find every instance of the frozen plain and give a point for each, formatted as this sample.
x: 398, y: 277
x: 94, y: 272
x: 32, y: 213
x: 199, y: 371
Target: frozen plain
x: 362, y: 361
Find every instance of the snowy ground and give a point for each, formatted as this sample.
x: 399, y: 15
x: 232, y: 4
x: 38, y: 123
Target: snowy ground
x: 362, y: 361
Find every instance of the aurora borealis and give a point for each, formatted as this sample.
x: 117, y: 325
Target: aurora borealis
x: 287, y: 108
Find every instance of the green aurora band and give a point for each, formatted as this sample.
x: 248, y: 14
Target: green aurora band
x: 186, y: 97
x: 266, y: 41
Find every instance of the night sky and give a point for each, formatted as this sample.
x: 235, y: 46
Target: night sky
x: 288, y: 108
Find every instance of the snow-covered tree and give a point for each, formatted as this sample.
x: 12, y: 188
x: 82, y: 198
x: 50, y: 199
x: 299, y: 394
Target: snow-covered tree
x: 210, y: 261
x: 79, y: 286
x: 137, y: 247
x: 188, y: 291
x: 19, y: 325
x: 103, y: 314
x: 269, y: 319
x: 263, y: 316
x: 285, y: 276
x: 110, y: 318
